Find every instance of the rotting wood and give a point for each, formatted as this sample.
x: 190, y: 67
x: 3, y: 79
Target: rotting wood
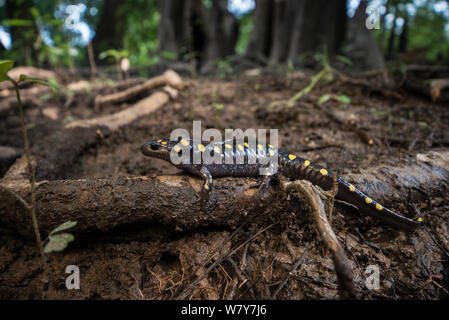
x: 169, y: 78
x: 124, y: 117
x: 103, y: 204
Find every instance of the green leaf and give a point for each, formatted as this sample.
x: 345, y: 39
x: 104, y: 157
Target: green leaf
x: 344, y: 60
x: 58, y: 242
x: 422, y: 124
x: 51, y: 84
x: 343, y: 99
x: 168, y: 55
x: 18, y: 23
x: 324, y: 98
x: 109, y: 53
x: 5, y: 65
x: 219, y: 106
x: 35, y: 13
x: 65, y: 226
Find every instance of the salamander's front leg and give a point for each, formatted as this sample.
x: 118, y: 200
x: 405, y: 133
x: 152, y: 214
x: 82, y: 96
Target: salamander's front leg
x: 207, y: 185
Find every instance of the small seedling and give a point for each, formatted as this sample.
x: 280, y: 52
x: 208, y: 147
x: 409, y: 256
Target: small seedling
x: 55, y: 241
x: 325, y: 74
x: 337, y: 97
x: 422, y: 124
x: 117, y: 55
x: 219, y: 107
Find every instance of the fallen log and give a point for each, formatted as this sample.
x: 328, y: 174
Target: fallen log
x: 434, y: 89
x: 103, y: 204
x: 121, y: 118
x: 168, y: 78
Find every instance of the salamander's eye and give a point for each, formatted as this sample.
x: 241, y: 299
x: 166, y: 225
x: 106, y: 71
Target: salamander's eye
x: 155, y: 146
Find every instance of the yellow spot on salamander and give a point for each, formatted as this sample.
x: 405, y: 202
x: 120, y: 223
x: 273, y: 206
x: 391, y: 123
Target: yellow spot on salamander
x: 228, y: 146
x: 177, y: 148
x: 323, y: 172
x: 240, y: 147
x: 185, y: 143
x: 419, y: 219
x: 291, y: 156
x: 271, y: 152
x: 246, y: 144
x: 259, y: 146
x: 201, y: 147
x: 217, y: 149
x: 379, y: 207
x: 206, y: 187
x: 164, y: 142
x: 306, y: 163
x: 351, y: 188
x: 368, y: 200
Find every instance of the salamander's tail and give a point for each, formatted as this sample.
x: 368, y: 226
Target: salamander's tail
x: 349, y: 193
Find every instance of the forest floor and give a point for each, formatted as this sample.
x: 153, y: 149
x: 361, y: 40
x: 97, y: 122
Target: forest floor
x: 150, y: 262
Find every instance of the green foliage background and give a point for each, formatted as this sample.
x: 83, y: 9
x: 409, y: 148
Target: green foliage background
x: 427, y: 30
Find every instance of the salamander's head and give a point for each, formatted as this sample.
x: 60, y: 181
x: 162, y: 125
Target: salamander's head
x: 159, y: 148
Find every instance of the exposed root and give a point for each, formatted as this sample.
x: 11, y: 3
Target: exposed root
x: 343, y: 268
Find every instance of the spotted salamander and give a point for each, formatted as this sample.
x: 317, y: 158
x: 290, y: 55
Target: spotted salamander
x: 289, y: 166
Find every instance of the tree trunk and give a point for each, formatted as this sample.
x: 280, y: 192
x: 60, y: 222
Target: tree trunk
x: 111, y: 27
x: 403, y: 37
x: 362, y: 47
x: 391, y: 40
x: 260, y: 40
x: 298, y: 26
x: 297, y: 30
x: 324, y: 23
x: 280, y: 35
x: 172, y: 32
x: 222, y: 33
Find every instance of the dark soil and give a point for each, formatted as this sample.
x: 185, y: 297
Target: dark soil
x: 153, y: 262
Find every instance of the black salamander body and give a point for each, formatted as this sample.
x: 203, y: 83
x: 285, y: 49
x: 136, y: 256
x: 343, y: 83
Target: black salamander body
x: 289, y: 165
